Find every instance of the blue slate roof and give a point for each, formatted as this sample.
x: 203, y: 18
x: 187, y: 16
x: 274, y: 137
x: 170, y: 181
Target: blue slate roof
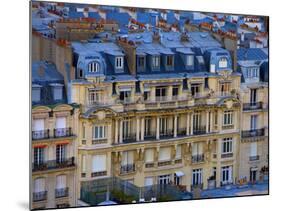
x: 94, y: 15
x: 122, y: 18
x: 251, y: 54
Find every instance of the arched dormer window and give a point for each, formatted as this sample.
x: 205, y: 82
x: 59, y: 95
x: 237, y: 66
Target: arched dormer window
x: 223, y: 62
x: 94, y: 67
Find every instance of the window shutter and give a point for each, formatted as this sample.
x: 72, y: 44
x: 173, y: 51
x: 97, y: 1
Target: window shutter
x: 99, y: 163
x: 61, y: 181
x: 164, y: 154
x: 149, y: 155
x: 38, y: 124
x: 61, y: 122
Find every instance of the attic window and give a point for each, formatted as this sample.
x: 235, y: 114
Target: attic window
x: 57, y: 91
x: 223, y: 62
x: 36, y: 93
x: 189, y: 60
x: 141, y: 61
x: 170, y: 61
x: 155, y: 61
x: 94, y: 67
x: 119, y: 62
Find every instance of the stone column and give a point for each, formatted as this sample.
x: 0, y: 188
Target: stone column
x: 116, y: 131
x: 121, y: 131
x: 152, y: 94
x: 138, y: 129
x: 175, y: 125
x: 157, y: 127
x: 142, y: 128
x: 169, y: 93
x: 187, y: 124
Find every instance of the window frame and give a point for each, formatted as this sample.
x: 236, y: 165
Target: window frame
x: 99, y: 132
x: 227, y: 145
x: 228, y: 117
x: 119, y: 62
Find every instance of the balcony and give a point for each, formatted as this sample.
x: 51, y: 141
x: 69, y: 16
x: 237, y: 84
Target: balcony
x: 167, y: 134
x: 253, y: 133
x: 129, y: 168
x: 129, y: 138
x: 149, y: 165
x: 62, y: 132
x: 254, y: 158
x: 181, y: 132
x: 61, y: 192
x: 227, y: 155
x: 164, y: 163
x: 99, y: 141
x: 99, y: 174
x: 39, y: 196
x: 252, y: 106
x: 53, y: 164
x: 200, y: 130
x: 197, y: 158
x: 40, y: 134
x: 150, y: 135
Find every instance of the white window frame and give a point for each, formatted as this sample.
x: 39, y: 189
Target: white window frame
x: 61, y: 150
x: 227, y: 145
x: 189, y: 60
x: 99, y: 132
x: 228, y: 117
x: 119, y: 60
x: 95, y: 96
x: 226, y: 174
x: 197, y: 177
x: 94, y: 67
x: 254, y: 122
x: 101, y: 160
x: 155, y: 61
x: 223, y: 62
x: 36, y: 94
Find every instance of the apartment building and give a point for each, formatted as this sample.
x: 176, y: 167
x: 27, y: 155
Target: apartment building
x: 54, y: 129
x: 157, y: 109
x: 253, y: 64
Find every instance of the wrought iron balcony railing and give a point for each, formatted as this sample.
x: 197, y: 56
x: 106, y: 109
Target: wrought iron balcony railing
x: 40, y: 134
x: 124, y: 169
x: 61, y: 192
x: 166, y: 133
x: 150, y: 135
x: 39, y: 196
x: 197, y: 158
x: 227, y: 155
x: 254, y: 158
x: 252, y: 106
x: 58, y: 132
x: 129, y: 138
x: 62, y: 132
x: 53, y: 164
x: 253, y: 133
x: 199, y: 130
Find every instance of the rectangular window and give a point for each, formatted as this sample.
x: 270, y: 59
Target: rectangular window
x: 38, y: 155
x: 61, y: 181
x: 189, y: 60
x: 223, y: 62
x: 95, y: 97
x: 228, y: 118
x: 83, y: 130
x: 141, y: 61
x: 149, y: 155
x: 57, y: 92
x: 175, y: 92
x: 170, y: 60
x: 39, y: 185
x: 127, y: 158
x: 99, y: 132
x: 225, y: 88
x: 146, y: 95
x: 99, y: 163
x: 226, y: 175
x: 155, y: 61
x: 253, y: 149
x: 36, y: 94
x: 127, y: 128
x: 119, y: 62
x: 125, y: 96
x: 197, y: 118
x: 60, y: 153
x: 163, y: 129
x: 161, y: 93
x: 147, y: 127
x: 195, y: 89
x: 178, y: 152
x: 254, y: 122
x: 94, y: 67
x: 164, y: 179
x: 83, y: 165
x: 197, y: 177
x: 227, y: 145
x: 197, y: 149
x: 164, y: 154
x: 253, y: 96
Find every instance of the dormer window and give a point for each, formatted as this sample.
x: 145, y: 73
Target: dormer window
x: 57, y: 91
x: 36, y: 93
x: 94, y: 67
x: 141, y: 61
x: 119, y: 62
x: 189, y: 60
x: 252, y: 72
x: 155, y: 61
x: 170, y: 60
x: 223, y: 62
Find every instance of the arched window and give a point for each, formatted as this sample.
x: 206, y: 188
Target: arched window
x: 223, y: 62
x: 94, y: 67
x: 80, y: 73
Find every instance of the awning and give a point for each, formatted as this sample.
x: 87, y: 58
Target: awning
x: 179, y: 173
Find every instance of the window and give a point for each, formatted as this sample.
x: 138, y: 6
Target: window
x: 223, y: 62
x: 60, y: 127
x: 94, y: 67
x: 178, y: 152
x: 98, y: 163
x: 141, y: 61
x: 119, y: 62
x: 228, y: 118
x: 149, y: 155
x: 195, y: 89
x: 253, y: 149
x: 79, y: 73
x: 254, y: 121
x: 38, y: 155
x: 36, y: 94
x: 127, y: 158
x: 197, y: 177
x: 39, y: 185
x: 60, y: 153
x: 160, y: 93
x: 83, y: 130
x: 146, y: 95
x: 83, y: 165
x: 225, y: 88
x: 226, y: 175
x: 61, y: 181
x: 95, y: 97
x: 125, y: 96
x: 163, y: 126
x: 253, y: 96
x: 175, y: 92
x: 147, y: 127
x: 38, y: 127
x: 127, y: 128
x: 57, y: 92
x: 227, y: 145
x: 155, y: 61
x: 99, y: 132
x: 164, y: 154
x: 197, y: 121
x: 252, y: 72
x: 189, y: 60
x: 170, y: 60
x: 164, y: 179
x: 197, y: 149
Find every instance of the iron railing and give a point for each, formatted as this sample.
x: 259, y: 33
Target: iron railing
x: 199, y: 130
x: 62, y: 192
x: 53, y: 164
x: 252, y: 133
x: 129, y: 138
x: 197, y: 158
x: 62, y: 132
x: 252, y: 106
x: 40, y: 134
x: 167, y: 134
x: 254, y: 158
x: 40, y: 196
x: 124, y: 169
